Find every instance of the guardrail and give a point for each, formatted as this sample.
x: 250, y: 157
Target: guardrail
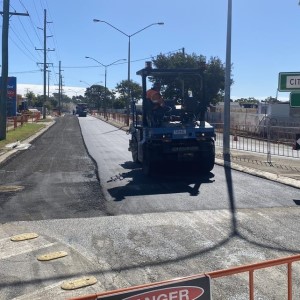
x: 116, y: 117
x: 214, y: 275
x: 263, y: 265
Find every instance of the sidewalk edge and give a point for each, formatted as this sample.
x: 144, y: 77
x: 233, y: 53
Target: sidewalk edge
x: 266, y: 175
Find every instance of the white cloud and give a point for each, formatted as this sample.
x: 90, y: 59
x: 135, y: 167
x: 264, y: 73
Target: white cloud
x: 70, y: 91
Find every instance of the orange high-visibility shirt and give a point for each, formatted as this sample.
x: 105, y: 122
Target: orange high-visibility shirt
x: 155, y: 97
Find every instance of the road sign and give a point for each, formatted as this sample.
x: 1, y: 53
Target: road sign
x: 295, y: 99
x: 289, y: 81
x: 195, y: 288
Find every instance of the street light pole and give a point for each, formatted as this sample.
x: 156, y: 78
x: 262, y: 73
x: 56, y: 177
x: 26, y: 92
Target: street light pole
x: 105, y: 76
x: 129, y: 37
x: 128, y: 75
x: 226, y: 133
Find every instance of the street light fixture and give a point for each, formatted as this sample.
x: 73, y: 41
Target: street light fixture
x: 84, y: 82
x: 105, y: 76
x: 129, y: 37
x: 75, y: 91
x: 89, y: 83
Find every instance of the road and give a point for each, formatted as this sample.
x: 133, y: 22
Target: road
x: 126, y: 229
x: 171, y: 188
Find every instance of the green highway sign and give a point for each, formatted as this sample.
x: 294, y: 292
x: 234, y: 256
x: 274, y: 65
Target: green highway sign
x: 289, y: 81
x: 295, y: 99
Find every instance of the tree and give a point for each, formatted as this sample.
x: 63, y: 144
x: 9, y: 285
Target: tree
x: 31, y: 98
x: 271, y: 99
x: 54, y: 102
x: 122, y: 90
x: 99, y: 97
x: 39, y: 101
x: 213, y: 74
x: 95, y: 96
x: 250, y: 100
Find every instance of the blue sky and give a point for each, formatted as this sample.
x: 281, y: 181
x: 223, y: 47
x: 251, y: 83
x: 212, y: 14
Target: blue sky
x: 265, y: 40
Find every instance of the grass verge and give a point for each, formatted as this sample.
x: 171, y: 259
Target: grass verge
x: 21, y: 133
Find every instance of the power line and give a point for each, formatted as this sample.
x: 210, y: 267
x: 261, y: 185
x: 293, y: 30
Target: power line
x: 49, y: 58
x: 17, y: 45
x: 53, y: 33
x: 34, y: 26
x: 25, y: 72
x: 23, y: 44
x: 122, y: 63
x: 45, y: 64
x: 23, y: 5
x: 4, y: 72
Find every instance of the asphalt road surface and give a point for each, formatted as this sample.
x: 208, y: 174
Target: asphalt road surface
x: 126, y: 229
x: 57, y: 177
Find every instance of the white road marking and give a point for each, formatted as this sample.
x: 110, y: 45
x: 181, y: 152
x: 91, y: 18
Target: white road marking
x: 9, y: 248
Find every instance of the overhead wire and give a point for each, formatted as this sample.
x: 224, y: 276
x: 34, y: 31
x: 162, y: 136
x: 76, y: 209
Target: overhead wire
x: 26, y: 72
x: 37, y: 17
x: 22, y: 40
x: 24, y: 48
x: 24, y: 44
x: 122, y: 63
x: 32, y: 57
x: 49, y: 56
x: 53, y: 33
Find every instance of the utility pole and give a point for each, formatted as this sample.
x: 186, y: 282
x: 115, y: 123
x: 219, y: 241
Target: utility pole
x: 4, y: 73
x: 60, y: 88
x: 48, y: 71
x: 45, y: 60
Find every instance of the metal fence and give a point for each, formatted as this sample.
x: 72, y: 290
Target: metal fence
x: 285, y: 291
x: 270, y: 136
x: 264, y: 138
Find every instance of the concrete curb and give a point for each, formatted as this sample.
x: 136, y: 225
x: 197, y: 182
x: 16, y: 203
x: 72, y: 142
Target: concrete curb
x: 263, y: 174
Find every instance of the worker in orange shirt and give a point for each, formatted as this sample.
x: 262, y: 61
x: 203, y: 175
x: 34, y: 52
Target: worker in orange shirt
x: 157, y: 104
x: 155, y: 96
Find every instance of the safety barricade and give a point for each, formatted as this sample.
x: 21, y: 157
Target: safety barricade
x: 170, y: 285
x: 17, y: 121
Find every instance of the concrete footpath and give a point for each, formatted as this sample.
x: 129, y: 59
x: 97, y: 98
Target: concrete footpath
x: 281, y: 169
